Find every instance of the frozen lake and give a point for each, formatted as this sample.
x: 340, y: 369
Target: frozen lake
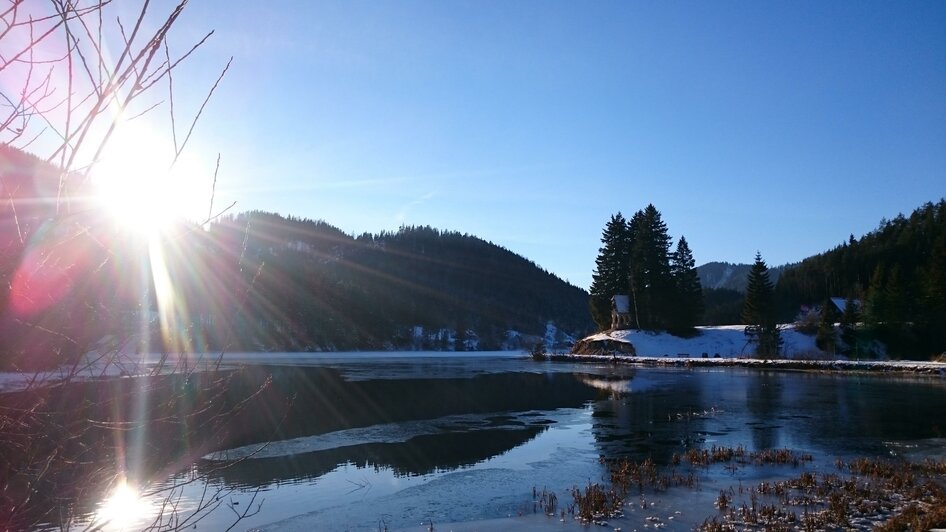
x: 375, y: 440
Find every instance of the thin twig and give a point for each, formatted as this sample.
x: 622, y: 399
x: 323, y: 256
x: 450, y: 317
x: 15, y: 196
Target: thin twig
x: 213, y: 189
x: 201, y: 110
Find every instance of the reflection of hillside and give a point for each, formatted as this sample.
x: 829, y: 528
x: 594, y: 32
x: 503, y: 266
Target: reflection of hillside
x: 322, y: 401
x: 308, y: 401
x: 188, y: 416
x: 831, y: 414
x: 649, y: 424
x: 833, y: 411
x: 418, y: 456
x: 151, y: 424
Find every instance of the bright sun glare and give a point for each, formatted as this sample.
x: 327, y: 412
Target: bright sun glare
x: 137, y: 186
x: 122, y: 509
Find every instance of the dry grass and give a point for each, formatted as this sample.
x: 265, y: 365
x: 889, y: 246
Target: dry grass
x: 865, y: 493
x: 917, y: 517
x: 872, y: 490
x: 716, y: 455
x: 596, y: 502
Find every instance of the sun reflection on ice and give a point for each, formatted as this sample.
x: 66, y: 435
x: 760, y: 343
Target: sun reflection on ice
x: 123, y: 509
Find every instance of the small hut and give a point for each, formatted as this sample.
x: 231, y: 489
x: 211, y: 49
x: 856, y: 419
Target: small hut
x: 620, y: 312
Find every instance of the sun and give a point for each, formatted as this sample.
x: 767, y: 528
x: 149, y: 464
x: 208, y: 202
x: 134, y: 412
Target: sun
x: 136, y: 183
x: 123, y: 509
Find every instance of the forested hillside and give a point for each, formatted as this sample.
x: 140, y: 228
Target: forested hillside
x: 254, y: 281
x: 314, y: 287
x: 898, y: 272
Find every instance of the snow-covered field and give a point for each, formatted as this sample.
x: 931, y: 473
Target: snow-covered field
x: 728, y: 341
x: 727, y: 346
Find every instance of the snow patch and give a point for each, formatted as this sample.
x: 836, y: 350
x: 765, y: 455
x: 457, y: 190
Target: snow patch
x: 727, y: 341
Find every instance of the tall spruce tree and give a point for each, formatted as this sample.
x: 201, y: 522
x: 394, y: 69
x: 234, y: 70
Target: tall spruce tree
x: 758, y: 314
x: 826, y: 337
x: 876, y: 307
x: 849, y: 320
x: 897, y: 293
x: 651, y: 283
x: 689, y: 292
x: 934, y: 300
x: 611, y: 269
x: 634, y: 269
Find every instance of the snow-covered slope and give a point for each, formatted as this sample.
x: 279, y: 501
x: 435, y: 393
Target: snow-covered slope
x: 726, y: 341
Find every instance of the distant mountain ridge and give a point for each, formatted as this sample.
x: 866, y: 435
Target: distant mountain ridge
x: 725, y: 275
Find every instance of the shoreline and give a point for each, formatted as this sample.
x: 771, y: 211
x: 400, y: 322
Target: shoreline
x: 933, y: 369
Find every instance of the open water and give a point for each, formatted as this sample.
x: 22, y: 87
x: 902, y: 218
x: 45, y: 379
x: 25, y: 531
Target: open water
x: 368, y: 441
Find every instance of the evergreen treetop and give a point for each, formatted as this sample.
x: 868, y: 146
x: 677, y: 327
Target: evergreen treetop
x: 758, y: 308
x: 651, y: 284
x: 688, y: 306
x: 759, y: 311
x: 635, y: 259
x: 610, y: 277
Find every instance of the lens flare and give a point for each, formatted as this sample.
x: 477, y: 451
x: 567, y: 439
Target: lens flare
x: 123, y: 509
x: 137, y: 182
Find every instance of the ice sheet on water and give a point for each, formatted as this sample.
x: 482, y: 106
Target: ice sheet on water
x: 919, y: 450
x: 381, y: 433
x: 501, y: 487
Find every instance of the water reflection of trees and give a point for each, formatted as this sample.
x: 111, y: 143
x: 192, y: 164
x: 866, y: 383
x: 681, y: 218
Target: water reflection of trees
x: 149, y: 427
x: 92, y: 432
x: 764, y: 404
x: 834, y: 414
x: 324, y: 401
x: 858, y: 413
x: 652, y: 423
x: 419, y: 455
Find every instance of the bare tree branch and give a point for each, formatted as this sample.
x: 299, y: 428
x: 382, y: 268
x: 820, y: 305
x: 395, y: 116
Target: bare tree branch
x: 201, y: 110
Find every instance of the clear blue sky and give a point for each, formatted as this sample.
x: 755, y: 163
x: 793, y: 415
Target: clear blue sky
x: 781, y: 127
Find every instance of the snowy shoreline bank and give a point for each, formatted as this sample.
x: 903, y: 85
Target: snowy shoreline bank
x: 726, y: 346
x: 871, y: 366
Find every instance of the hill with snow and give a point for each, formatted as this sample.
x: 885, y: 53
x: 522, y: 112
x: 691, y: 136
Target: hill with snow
x: 728, y: 341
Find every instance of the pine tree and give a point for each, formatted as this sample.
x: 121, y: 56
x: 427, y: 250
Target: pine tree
x: 688, y: 291
x: 758, y: 303
x: 849, y: 319
x: 934, y: 300
x: 634, y: 271
x: 758, y: 313
x: 826, y: 338
x: 898, y: 310
x: 652, y: 285
x: 876, y: 304
x: 611, y: 269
